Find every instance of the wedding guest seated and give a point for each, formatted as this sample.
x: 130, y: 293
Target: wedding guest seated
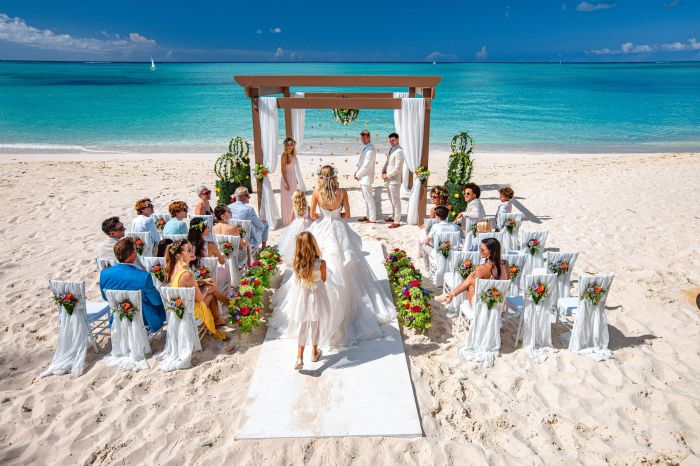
x: 203, y: 207
x: 163, y: 247
x: 439, y: 195
x: 492, y: 269
x: 222, y: 214
x: 176, y: 225
x: 505, y: 207
x: 114, y: 229
x: 202, y: 248
x: 242, y: 211
x: 483, y: 226
x: 143, y: 223
x: 475, y: 210
x: 442, y: 226
x: 126, y: 276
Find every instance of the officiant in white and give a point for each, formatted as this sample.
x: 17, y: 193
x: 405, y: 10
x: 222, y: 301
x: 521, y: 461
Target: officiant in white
x: 365, y: 175
x: 391, y: 174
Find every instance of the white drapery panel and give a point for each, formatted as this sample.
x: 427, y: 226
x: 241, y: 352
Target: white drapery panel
x: 73, y: 332
x: 269, y: 124
x: 232, y: 258
x: 590, y: 333
x: 563, y: 281
x: 510, y: 240
x: 412, y: 118
x: 454, y: 279
x: 104, y: 263
x: 298, y: 123
x: 182, y: 339
x: 483, y: 342
x: 444, y: 264
x: 149, y: 263
x: 519, y: 261
x: 533, y: 261
x: 537, y: 326
x: 129, y: 341
x: 397, y: 126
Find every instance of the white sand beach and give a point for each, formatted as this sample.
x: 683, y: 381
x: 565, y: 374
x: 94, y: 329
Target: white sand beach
x: 634, y: 215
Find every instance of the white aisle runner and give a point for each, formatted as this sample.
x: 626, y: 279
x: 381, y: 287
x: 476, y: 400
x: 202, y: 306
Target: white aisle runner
x: 364, y: 390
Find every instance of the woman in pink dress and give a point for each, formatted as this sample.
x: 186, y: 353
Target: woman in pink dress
x: 289, y: 179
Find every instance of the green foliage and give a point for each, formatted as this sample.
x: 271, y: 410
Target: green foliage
x: 412, y: 300
x: 233, y: 169
x: 459, y: 172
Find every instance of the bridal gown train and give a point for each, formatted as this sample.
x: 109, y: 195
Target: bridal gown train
x: 359, y: 304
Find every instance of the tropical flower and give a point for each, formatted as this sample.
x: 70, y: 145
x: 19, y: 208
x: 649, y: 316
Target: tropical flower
x: 510, y: 225
x: 160, y: 224
x: 538, y: 291
x: 514, y: 272
x: 158, y: 272
x: 139, y: 246
x: 422, y: 173
x: 67, y: 301
x: 594, y: 292
x: 559, y: 268
x: 533, y: 246
x: 465, y: 268
x: 126, y: 310
x: 491, y: 297
x: 444, y: 248
x: 226, y: 248
x: 260, y: 171
x: 177, y: 306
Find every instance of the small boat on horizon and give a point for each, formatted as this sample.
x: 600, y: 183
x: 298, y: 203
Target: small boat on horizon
x: 153, y: 65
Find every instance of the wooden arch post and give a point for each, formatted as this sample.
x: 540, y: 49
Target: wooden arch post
x: 258, y: 86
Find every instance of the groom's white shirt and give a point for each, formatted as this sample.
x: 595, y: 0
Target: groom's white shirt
x: 366, y: 164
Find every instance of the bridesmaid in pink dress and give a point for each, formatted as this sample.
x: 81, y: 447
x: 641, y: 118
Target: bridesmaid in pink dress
x: 289, y: 179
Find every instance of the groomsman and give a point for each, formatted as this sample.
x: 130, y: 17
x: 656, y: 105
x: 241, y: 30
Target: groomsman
x: 391, y: 174
x: 365, y: 175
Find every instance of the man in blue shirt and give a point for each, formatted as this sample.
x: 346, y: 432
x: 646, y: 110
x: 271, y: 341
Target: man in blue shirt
x: 242, y: 211
x: 126, y: 276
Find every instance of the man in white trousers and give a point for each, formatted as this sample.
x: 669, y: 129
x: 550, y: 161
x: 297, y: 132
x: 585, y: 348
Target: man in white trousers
x: 391, y: 174
x: 365, y: 175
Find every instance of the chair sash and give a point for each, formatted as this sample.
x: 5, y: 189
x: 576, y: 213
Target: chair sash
x: 129, y: 340
x: 456, y: 278
x: 537, y: 326
x: 517, y: 260
x: 181, y: 340
x: 174, y: 237
x: 467, y: 227
x: 483, y: 342
x: 157, y: 217
x: 211, y: 264
x: 510, y: 240
x: 563, y: 281
x: 590, y: 332
x: 73, y: 332
x: 442, y: 263
x: 232, y: 258
x: 536, y: 260
x: 147, y: 242
x: 149, y: 263
x: 105, y: 263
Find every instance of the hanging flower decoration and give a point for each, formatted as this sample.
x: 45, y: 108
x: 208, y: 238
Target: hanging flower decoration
x: 423, y: 174
x: 491, y: 297
x: 67, y: 301
x: 157, y: 271
x: 538, y: 291
x: 345, y: 115
x: 176, y: 306
x: 260, y: 171
x: 126, y: 310
x: 594, y: 292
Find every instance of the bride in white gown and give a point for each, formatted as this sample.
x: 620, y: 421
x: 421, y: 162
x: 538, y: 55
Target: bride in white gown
x: 359, y: 304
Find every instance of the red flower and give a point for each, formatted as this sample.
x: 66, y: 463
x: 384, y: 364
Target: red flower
x: 395, y: 269
x: 233, y: 198
x: 540, y: 289
x: 238, y: 322
x: 396, y: 249
x: 416, y: 309
x: 257, y: 310
x: 269, y: 267
x: 406, y: 294
x: 156, y: 267
x: 255, y: 264
x: 69, y: 296
x: 535, y: 241
x: 256, y: 282
x: 238, y: 294
x: 245, y: 311
x: 248, y: 294
x: 407, y: 305
x: 244, y: 282
x: 278, y: 260
x: 203, y: 271
x: 227, y: 244
x: 415, y: 283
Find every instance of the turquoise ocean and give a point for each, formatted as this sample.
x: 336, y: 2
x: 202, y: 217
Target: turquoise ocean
x: 187, y: 107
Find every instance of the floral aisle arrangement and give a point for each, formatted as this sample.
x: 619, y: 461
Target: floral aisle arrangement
x: 412, y: 300
x: 246, y: 304
x: 67, y: 301
x: 232, y: 169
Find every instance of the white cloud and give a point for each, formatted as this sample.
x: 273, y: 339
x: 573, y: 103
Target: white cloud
x: 15, y: 30
x: 675, y: 46
x: 587, y: 7
x: 435, y: 55
x: 671, y: 3
x: 276, y: 30
x: 605, y: 51
x: 278, y: 53
x: 694, y: 44
x: 482, y: 54
x: 629, y: 47
x: 139, y: 39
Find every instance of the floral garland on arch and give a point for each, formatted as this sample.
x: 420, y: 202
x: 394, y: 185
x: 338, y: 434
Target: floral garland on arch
x: 345, y: 115
x: 412, y: 300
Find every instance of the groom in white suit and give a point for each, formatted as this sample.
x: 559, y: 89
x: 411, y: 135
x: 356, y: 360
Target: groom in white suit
x: 365, y: 175
x: 391, y: 174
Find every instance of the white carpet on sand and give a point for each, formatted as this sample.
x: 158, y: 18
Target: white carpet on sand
x: 364, y: 390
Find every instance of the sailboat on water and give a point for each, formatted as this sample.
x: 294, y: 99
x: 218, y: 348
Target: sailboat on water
x: 153, y: 65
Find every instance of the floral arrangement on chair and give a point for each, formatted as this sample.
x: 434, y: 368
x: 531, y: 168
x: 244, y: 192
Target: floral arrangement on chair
x: 126, y: 310
x: 514, y: 272
x: 594, y: 292
x: 176, y: 306
x: 510, y: 225
x: 160, y: 224
x: 559, y: 268
x: 445, y: 248
x: 226, y: 248
x: 422, y: 173
x: 412, y: 300
x: 465, y: 268
x: 67, y: 301
x: 533, y: 246
x: 201, y: 273
x: 472, y: 228
x: 260, y: 171
x: 538, y: 291
x: 139, y: 246
x: 158, y: 272
x: 491, y: 297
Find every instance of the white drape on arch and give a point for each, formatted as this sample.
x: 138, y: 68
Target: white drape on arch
x: 397, y: 126
x: 412, y: 118
x: 298, y: 122
x: 269, y: 123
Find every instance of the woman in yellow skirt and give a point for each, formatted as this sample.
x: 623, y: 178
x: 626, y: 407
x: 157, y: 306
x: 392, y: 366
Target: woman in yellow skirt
x: 178, y: 273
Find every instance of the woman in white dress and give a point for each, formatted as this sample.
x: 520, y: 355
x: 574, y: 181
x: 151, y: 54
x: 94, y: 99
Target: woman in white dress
x: 361, y: 304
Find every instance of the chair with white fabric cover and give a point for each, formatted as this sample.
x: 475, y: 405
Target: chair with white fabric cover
x: 158, y: 217
x: 554, y: 262
x: 516, y: 261
x: 453, y: 279
x: 533, y: 260
x: 175, y: 237
x: 183, y: 337
x: 232, y: 257
x: 439, y: 264
x: 468, y: 228
x: 483, y: 341
x: 246, y: 231
x: 590, y: 331
x: 145, y: 237
x: 149, y: 263
x: 423, y: 233
x: 510, y: 238
x: 535, y: 325
x: 105, y: 263
x: 210, y: 225
x: 491, y: 234
x: 75, y: 330
x: 129, y: 339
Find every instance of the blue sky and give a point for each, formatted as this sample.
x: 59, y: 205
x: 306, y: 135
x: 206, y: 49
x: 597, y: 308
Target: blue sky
x: 535, y: 30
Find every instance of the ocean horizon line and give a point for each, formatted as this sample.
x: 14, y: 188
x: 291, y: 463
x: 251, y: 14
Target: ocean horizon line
x: 421, y: 62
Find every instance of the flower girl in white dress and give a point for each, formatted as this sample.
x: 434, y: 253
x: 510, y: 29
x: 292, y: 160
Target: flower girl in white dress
x: 308, y: 296
x: 299, y: 222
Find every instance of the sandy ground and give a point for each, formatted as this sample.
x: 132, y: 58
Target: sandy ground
x: 635, y: 215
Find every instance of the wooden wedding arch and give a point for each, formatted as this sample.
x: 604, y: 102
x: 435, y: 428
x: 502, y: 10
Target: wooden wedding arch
x: 259, y: 86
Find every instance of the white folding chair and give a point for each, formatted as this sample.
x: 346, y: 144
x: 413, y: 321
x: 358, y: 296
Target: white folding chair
x: 184, y: 334
x: 105, y: 263
x: 589, y: 334
x: 149, y: 263
x: 246, y: 233
x: 439, y: 264
x: 510, y: 238
x: 210, y: 225
x: 468, y: 232
x: 563, y: 281
x: 147, y: 249
x: 517, y: 261
x: 174, y: 237
x: 534, y: 325
x: 129, y: 337
x: 536, y: 260
x: 453, y: 279
x: 492, y: 234
x: 232, y: 258
x: 158, y: 217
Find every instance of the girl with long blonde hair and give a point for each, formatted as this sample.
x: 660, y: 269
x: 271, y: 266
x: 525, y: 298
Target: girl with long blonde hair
x: 289, y: 179
x: 299, y: 222
x: 328, y: 195
x: 309, y: 296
